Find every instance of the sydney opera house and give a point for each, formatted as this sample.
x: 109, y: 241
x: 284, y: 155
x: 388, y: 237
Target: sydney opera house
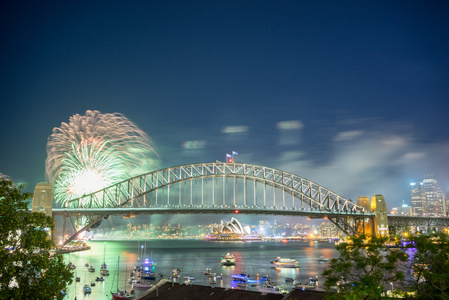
x: 232, y: 231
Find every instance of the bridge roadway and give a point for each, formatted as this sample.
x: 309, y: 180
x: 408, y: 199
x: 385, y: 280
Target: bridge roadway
x: 202, y: 210
x: 393, y: 220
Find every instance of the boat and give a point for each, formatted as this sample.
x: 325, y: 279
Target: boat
x: 207, y: 271
x: 147, y: 266
x: 147, y: 270
x: 142, y: 284
x: 104, y: 271
x: 92, y: 283
x: 285, y: 263
x: 282, y: 290
x: 104, y: 268
x: 71, y: 266
x: 120, y: 295
x: 189, y: 280
x: 87, y: 289
x: 323, y: 259
x: 150, y: 276
x: 268, y: 288
x: 86, y: 265
x: 91, y: 269
x: 240, y: 277
x: 256, y: 280
x: 99, y: 279
x: 175, y: 273
x: 289, y: 279
x: 228, y: 260
x: 77, y: 279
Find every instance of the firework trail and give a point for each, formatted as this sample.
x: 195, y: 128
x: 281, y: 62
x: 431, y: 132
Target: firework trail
x: 94, y: 151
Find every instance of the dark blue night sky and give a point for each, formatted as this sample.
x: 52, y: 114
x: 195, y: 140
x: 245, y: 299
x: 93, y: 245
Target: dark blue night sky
x: 353, y: 95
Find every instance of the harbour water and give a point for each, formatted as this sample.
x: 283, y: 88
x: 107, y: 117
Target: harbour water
x: 192, y: 257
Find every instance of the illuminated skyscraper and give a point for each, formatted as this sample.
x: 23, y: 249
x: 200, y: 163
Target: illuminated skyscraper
x: 418, y: 201
x: 428, y: 198
x: 433, y: 195
x: 403, y: 210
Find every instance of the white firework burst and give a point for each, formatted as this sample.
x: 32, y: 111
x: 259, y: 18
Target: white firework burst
x: 94, y: 151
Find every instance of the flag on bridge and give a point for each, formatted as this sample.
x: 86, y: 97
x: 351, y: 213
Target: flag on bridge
x: 228, y: 155
x: 234, y: 153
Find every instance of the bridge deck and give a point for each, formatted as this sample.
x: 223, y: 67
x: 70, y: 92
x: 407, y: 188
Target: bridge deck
x: 199, y: 210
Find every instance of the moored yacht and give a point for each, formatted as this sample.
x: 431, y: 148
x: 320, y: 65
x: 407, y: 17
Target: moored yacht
x: 148, y: 276
x: 122, y: 295
x: 240, y: 277
x: 175, y: 273
x: 142, y: 284
x: 323, y: 259
x: 104, y: 268
x: 285, y: 263
x: 87, y: 289
x: 147, y: 270
x: 228, y: 260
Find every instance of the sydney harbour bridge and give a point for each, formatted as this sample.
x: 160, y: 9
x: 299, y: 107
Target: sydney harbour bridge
x: 224, y: 188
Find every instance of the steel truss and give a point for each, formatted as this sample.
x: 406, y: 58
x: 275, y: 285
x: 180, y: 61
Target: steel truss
x: 143, y: 192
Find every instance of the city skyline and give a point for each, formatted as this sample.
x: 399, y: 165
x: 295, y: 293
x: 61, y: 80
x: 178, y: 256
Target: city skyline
x: 134, y: 229
x: 350, y: 95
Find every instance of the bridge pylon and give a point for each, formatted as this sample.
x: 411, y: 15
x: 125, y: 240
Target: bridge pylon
x: 377, y: 225
x: 43, y: 202
x: 379, y: 207
x: 367, y: 226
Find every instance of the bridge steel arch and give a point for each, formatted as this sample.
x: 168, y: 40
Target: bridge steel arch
x: 307, y: 197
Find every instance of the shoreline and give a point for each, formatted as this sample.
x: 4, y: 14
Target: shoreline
x: 71, y: 249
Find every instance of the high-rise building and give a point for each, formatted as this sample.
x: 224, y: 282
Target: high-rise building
x: 427, y: 198
x: 329, y: 230
x: 417, y: 199
x: 403, y: 210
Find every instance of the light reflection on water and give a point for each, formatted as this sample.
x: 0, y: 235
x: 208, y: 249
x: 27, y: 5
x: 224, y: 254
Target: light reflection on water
x: 192, y: 257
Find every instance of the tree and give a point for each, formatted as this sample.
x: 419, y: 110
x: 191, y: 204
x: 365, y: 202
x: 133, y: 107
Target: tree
x: 27, y: 269
x: 429, y: 266
x: 364, y: 269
